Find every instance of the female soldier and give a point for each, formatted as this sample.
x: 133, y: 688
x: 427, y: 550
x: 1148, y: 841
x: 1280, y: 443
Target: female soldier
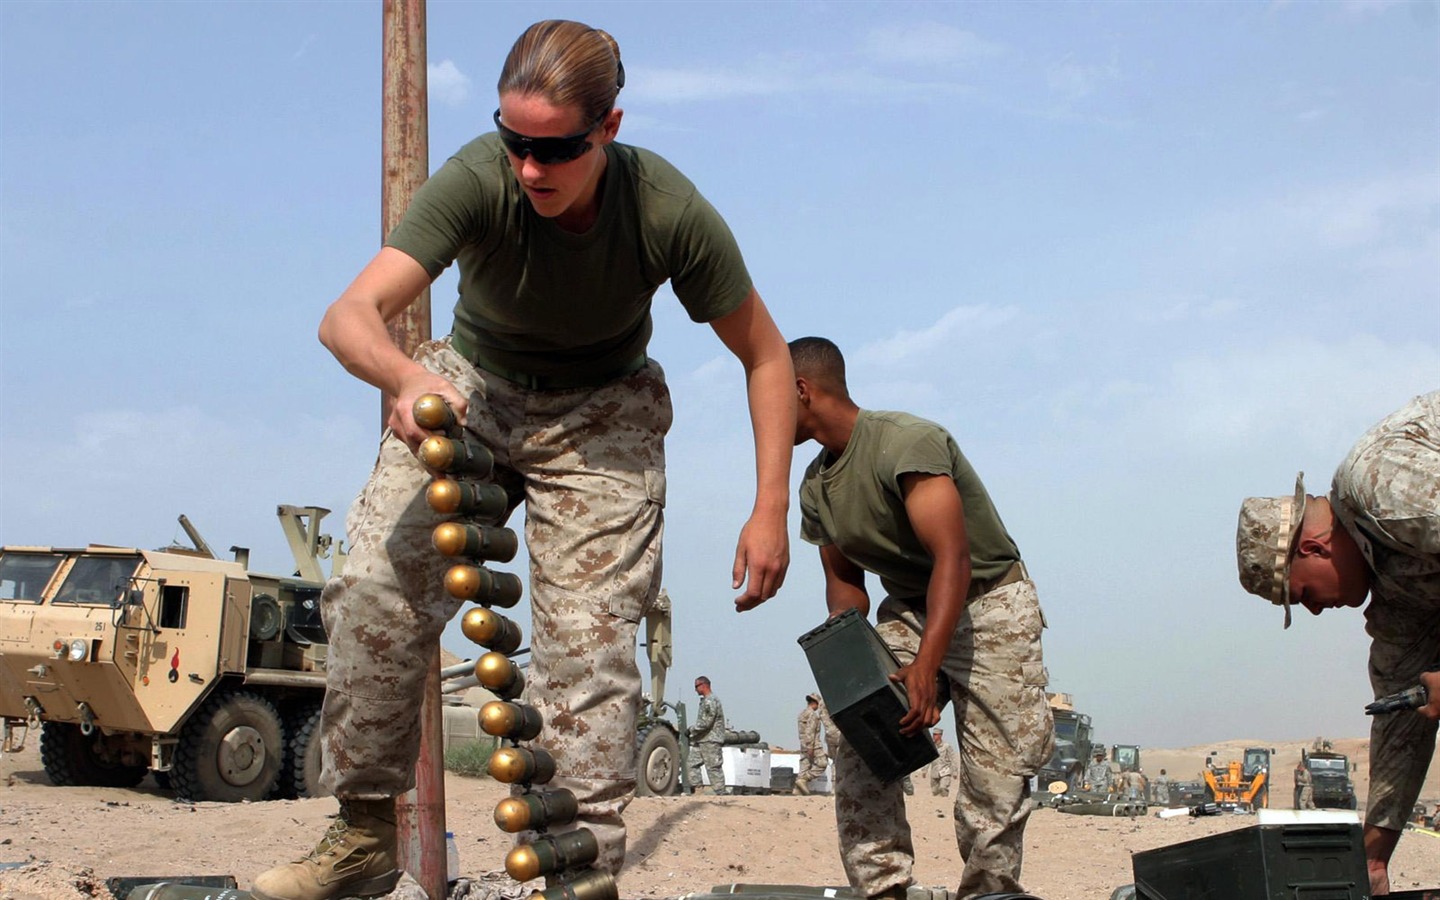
x: 562, y: 236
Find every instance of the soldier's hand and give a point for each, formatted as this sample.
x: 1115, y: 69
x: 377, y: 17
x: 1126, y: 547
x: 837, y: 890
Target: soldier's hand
x: 400, y: 416
x: 924, y: 708
x: 761, y: 557
x: 1431, y: 680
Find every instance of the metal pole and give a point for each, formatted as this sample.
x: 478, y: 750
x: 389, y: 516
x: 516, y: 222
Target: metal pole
x: 420, y: 835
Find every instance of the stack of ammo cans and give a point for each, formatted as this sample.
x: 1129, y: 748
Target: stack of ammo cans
x: 475, y: 536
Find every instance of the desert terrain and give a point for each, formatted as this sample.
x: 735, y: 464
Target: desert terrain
x: 70, y: 840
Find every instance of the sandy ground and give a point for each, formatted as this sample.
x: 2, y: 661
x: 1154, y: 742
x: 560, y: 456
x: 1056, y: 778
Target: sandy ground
x: 75, y: 838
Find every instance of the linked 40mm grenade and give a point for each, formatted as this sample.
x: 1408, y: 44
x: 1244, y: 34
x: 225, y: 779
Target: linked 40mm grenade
x: 491, y: 630
x: 521, y: 765
x: 551, y: 854
x: 593, y: 885
x: 432, y: 413
x: 502, y: 589
x: 535, y: 810
x: 477, y: 499
x: 513, y: 721
x: 475, y: 541
x: 457, y: 457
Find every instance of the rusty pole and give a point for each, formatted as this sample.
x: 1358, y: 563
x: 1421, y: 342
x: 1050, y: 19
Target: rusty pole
x: 404, y: 137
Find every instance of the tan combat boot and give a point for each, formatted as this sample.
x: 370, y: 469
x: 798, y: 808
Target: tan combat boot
x: 355, y: 858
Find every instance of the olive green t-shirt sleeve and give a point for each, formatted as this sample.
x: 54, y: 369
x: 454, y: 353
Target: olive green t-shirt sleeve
x: 812, y: 529
x: 446, y: 213
x: 707, y: 271
x: 925, y: 451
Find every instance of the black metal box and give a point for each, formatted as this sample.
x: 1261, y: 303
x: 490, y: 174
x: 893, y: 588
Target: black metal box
x: 1262, y: 862
x: 852, y: 668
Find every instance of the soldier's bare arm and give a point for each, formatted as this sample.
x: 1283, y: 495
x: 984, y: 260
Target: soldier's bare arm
x: 844, y: 583
x: 354, y: 331
x: 937, y: 516
x: 762, y: 553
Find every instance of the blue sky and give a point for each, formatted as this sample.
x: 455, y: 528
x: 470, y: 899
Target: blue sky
x: 1143, y: 259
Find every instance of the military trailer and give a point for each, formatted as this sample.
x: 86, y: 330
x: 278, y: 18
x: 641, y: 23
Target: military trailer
x: 1330, y: 782
x: 168, y: 661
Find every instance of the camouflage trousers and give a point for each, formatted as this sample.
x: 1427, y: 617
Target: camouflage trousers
x: 997, y: 679
x: 1307, y: 798
x: 1402, y: 744
x: 710, y: 756
x: 589, y: 466
x: 813, y: 763
x: 940, y: 784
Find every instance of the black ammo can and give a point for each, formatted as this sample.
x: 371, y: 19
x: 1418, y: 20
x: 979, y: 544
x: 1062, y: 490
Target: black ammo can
x: 852, y: 668
x: 1320, y: 861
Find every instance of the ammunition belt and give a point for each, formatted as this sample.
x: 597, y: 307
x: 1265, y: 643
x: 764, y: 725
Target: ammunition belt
x: 559, y: 381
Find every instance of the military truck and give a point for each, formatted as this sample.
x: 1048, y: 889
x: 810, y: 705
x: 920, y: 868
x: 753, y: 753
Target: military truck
x: 1329, y: 777
x: 168, y: 661
x: 1073, y: 745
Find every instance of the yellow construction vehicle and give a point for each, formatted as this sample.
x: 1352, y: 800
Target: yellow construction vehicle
x: 1245, y: 783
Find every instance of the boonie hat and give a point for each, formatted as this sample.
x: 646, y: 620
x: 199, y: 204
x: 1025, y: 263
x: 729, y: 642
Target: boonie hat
x: 815, y: 697
x: 1265, y: 543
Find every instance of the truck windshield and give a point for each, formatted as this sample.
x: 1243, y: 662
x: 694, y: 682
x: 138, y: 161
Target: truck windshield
x: 98, y: 580
x: 23, y: 576
x: 1327, y: 765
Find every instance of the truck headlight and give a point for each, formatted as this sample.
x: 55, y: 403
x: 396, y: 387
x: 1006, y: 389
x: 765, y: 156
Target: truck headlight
x: 79, y: 649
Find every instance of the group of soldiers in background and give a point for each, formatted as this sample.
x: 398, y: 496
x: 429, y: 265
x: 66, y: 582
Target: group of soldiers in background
x: 1105, y: 777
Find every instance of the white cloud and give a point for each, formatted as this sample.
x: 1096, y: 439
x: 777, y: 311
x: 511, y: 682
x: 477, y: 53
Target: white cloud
x: 1076, y: 80
x: 1367, y: 8
x: 928, y: 44
x: 957, y: 327
x: 447, y: 84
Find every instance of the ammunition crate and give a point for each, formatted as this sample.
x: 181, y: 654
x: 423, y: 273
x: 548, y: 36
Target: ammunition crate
x: 852, y: 668
x: 1262, y: 862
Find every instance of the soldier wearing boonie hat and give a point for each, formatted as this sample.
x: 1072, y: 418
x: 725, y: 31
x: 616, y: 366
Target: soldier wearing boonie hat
x: 1376, y: 533
x: 1265, y: 541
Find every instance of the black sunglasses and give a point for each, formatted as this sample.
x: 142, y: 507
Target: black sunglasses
x: 546, y: 150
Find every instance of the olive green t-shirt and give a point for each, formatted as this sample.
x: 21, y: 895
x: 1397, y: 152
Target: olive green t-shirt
x: 540, y: 300
x: 855, y: 503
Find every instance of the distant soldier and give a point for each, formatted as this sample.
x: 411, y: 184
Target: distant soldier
x: 832, y: 734
x: 1098, y: 776
x: 1307, y: 789
x: 1160, y: 789
x: 707, y: 738
x: 1134, y: 782
x: 942, y: 770
x: 812, y: 751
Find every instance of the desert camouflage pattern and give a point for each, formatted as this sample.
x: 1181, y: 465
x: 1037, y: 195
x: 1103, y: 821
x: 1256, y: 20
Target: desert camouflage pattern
x: 942, y: 770
x: 832, y: 733
x: 1160, y: 789
x: 589, y: 466
x: 813, y: 759
x: 1306, y: 783
x: 1134, y: 784
x: 997, y: 682
x: 707, y: 738
x: 1387, y: 495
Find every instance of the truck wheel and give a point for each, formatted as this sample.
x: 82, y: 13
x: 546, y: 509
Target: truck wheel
x: 74, y: 759
x: 658, y: 763
x: 231, y: 750
x: 300, y: 776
